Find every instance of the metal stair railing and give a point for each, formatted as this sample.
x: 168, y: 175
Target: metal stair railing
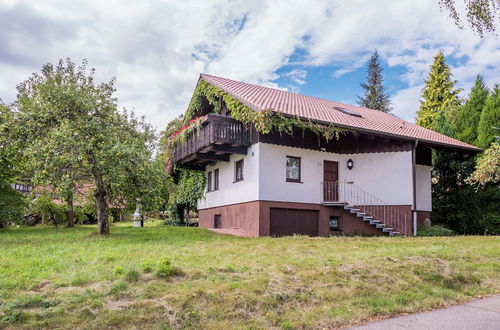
x: 368, y: 204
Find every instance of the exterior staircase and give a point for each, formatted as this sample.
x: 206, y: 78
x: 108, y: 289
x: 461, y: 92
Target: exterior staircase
x: 387, y: 218
x: 373, y: 221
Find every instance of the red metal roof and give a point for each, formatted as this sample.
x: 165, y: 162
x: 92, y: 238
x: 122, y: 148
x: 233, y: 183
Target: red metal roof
x: 259, y: 98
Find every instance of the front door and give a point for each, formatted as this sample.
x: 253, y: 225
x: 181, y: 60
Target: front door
x: 330, y: 181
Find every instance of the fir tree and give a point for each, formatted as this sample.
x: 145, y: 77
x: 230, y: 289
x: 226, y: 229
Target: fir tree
x: 438, y: 94
x: 489, y: 124
x: 375, y: 95
x: 467, y: 120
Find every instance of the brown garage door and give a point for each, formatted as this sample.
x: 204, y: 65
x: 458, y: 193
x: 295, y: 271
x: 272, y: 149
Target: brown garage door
x: 286, y: 222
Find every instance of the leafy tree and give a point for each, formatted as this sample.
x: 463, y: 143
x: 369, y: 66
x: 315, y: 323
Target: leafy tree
x: 12, y: 203
x: 375, y: 95
x: 439, y: 93
x: 488, y: 166
x: 71, y: 124
x: 489, y: 124
x: 482, y: 15
x: 469, y: 114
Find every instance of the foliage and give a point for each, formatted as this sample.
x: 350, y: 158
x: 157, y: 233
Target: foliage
x: 489, y: 124
x: 163, y: 267
x: 488, y: 166
x: 118, y: 270
x: 470, y: 113
x: 456, y: 203
x: 264, y: 121
x: 223, y: 273
x: 375, y: 95
x: 439, y: 93
x: 12, y: 203
x: 435, y: 230
x: 449, y: 189
x: 71, y: 123
x: 147, y: 266
x: 47, y: 209
x: 482, y: 15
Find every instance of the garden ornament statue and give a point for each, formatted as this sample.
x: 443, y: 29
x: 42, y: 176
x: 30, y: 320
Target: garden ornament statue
x: 138, y: 218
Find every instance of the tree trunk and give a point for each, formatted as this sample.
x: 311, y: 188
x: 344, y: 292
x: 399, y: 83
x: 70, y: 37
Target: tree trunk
x: 70, y: 214
x: 100, y: 201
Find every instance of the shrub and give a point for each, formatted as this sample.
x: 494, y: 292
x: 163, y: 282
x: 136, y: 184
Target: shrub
x: 118, y: 270
x: 147, y: 266
x: 132, y: 275
x: 435, y: 230
x: 164, y: 267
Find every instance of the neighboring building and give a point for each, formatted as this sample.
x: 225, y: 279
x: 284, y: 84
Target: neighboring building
x: 376, y: 179
x: 24, y: 189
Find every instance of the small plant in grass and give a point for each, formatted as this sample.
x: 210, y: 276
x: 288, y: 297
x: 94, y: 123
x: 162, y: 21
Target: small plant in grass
x: 163, y: 267
x: 118, y: 270
x: 147, y: 266
x: 132, y: 275
x: 14, y: 315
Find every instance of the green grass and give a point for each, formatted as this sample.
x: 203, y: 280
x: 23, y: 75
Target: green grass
x: 72, y: 278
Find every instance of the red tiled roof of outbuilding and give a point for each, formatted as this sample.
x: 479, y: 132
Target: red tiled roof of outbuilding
x: 260, y: 98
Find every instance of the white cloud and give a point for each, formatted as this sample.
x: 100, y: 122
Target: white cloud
x: 156, y: 48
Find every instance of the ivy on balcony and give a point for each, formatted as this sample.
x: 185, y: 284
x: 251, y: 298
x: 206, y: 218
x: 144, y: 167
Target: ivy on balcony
x: 264, y: 121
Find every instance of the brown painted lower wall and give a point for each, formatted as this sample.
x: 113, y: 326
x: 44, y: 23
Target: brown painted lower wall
x: 254, y: 217
x: 422, y: 215
x: 244, y: 216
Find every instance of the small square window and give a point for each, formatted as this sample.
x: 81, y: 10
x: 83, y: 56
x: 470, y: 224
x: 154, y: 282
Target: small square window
x: 292, y: 169
x: 334, y: 223
x: 238, y: 171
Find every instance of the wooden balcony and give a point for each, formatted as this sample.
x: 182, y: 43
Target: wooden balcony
x: 218, y: 138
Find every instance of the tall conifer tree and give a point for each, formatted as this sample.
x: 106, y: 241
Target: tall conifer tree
x: 469, y: 114
x: 375, y: 95
x: 489, y: 124
x: 438, y: 94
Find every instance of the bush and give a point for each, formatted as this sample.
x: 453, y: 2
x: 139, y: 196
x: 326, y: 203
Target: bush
x: 164, y: 267
x: 436, y: 230
x: 147, y: 266
x: 118, y: 270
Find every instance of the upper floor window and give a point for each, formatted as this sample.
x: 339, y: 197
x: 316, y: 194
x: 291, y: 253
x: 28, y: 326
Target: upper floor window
x: 216, y: 179
x: 238, y: 170
x: 292, y: 169
x: 209, y: 181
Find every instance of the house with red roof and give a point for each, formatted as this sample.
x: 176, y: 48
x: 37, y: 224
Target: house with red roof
x: 372, y: 177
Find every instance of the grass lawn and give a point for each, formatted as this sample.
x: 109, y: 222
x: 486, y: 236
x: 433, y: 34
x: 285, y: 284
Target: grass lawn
x: 71, y: 278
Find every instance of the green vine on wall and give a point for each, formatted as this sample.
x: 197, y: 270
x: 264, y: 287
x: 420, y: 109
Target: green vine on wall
x: 264, y: 121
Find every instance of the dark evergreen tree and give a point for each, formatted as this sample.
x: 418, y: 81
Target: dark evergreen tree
x: 469, y: 114
x: 489, y: 123
x: 455, y: 203
x: 375, y: 95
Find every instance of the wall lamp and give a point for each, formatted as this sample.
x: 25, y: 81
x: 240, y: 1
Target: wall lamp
x: 350, y: 164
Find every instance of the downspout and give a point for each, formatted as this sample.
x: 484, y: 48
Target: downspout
x: 414, y: 208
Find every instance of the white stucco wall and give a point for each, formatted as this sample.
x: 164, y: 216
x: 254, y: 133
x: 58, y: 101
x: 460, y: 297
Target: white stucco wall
x: 385, y: 175
x: 231, y: 192
x: 423, y: 185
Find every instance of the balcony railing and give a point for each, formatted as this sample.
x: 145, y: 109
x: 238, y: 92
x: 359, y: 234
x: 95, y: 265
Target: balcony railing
x: 217, y: 135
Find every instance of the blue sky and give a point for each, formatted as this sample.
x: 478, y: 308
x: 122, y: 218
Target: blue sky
x: 157, y: 48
